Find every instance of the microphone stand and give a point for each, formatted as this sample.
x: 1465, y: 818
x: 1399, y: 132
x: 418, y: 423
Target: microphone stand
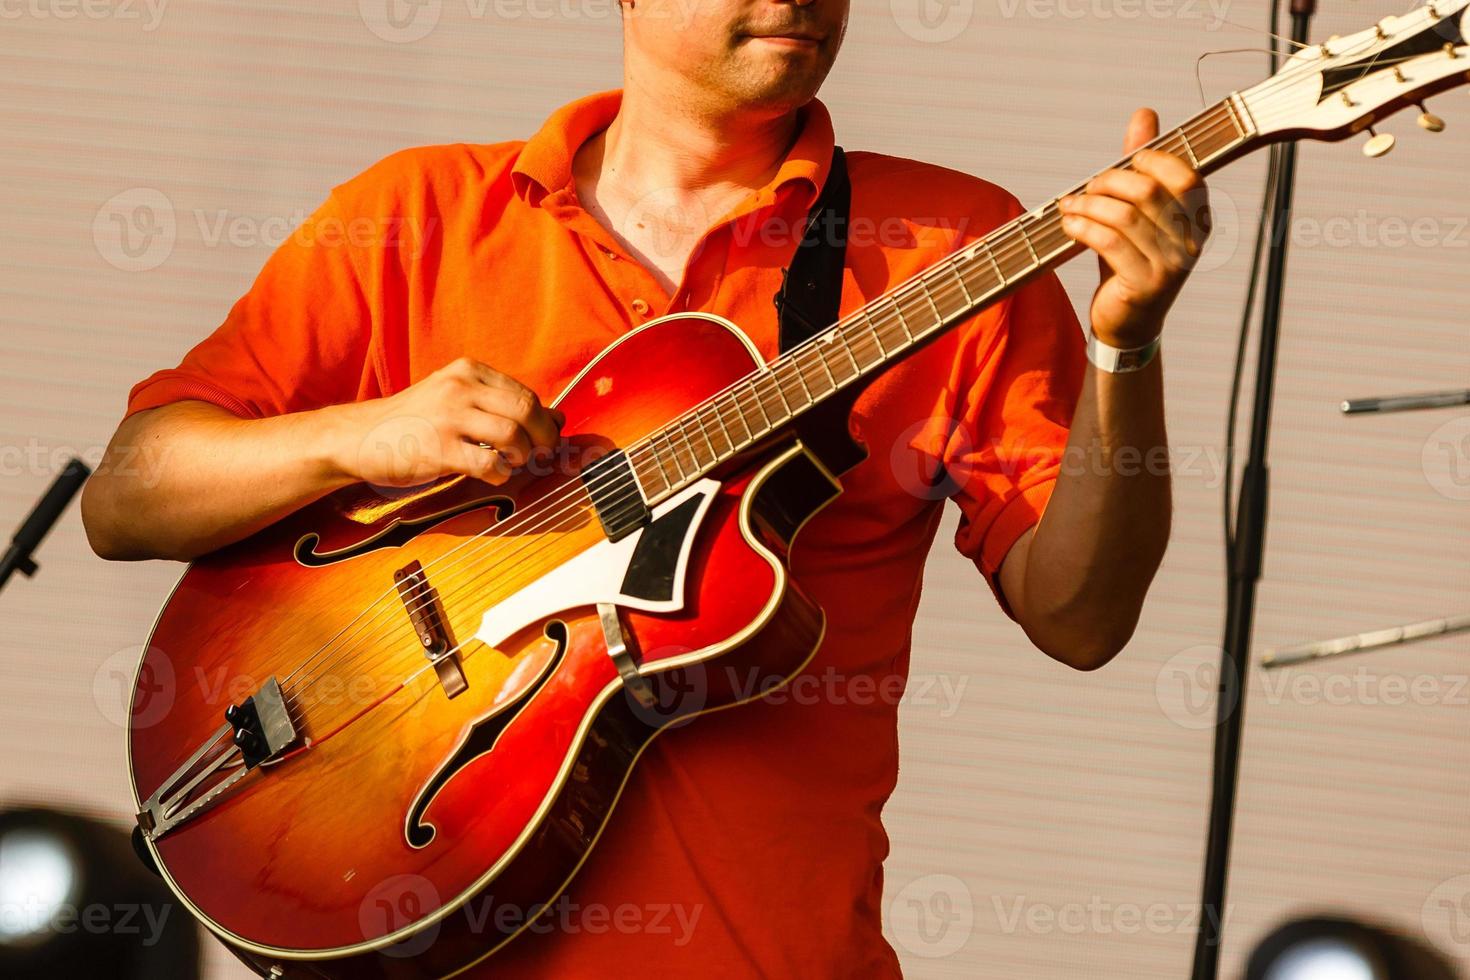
x: 1244, y: 570
x: 18, y: 557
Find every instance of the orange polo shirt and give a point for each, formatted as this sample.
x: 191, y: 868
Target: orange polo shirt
x: 749, y: 843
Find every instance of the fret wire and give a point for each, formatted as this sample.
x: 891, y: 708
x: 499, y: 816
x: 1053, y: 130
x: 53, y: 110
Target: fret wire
x: 857, y: 371
x: 990, y: 253
x: 1054, y: 229
x: 903, y: 321
x: 967, y: 266
x: 731, y: 400
x: 1184, y: 137
x: 640, y: 472
x: 873, y: 329
x: 894, y: 316
x: 1226, y: 118
x: 673, y: 450
x: 1016, y: 250
x: 705, y: 415
x: 758, y: 403
x: 796, y: 367
x: 795, y: 401
x: 828, y: 351
x: 821, y: 355
x: 699, y: 422
x: 924, y: 285
x: 942, y: 293
x: 1021, y: 227
x: 1230, y: 110
x: 734, y: 399
x: 1206, y: 135
x: 812, y: 361
x: 969, y: 300
x: 868, y: 347
x: 1011, y: 251
x: 684, y: 434
x: 974, y: 265
x: 720, y: 418
x: 779, y: 389
x: 657, y: 461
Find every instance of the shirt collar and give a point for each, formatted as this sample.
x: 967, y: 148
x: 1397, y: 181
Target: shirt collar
x: 545, y: 162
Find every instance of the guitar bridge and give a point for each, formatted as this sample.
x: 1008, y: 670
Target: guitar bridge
x: 426, y: 613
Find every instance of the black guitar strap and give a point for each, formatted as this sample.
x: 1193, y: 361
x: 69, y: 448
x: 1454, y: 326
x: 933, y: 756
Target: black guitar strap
x: 811, y: 289
x: 808, y: 303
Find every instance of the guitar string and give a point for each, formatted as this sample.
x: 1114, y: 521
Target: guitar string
x: 1276, y: 80
x: 945, y: 289
x: 697, y: 413
x: 894, y: 294
x: 944, y: 292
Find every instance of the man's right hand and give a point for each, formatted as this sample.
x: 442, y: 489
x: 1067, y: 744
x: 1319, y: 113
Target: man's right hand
x: 464, y: 418
x: 188, y: 478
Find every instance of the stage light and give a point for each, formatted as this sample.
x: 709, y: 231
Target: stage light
x: 1323, y: 959
x: 38, y: 878
x: 1335, y: 948
x: 75, y: 902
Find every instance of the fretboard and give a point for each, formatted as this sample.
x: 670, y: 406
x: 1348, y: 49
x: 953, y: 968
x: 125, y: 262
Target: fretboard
x: 893, y: 325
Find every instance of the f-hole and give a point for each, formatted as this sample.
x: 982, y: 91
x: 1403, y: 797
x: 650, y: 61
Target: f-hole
x: 480, y: 741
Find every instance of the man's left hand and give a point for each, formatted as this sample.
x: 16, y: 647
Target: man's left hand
x: 1148, y: 226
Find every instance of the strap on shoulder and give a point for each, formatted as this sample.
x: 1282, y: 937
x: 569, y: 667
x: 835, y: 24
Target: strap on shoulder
x: 810, y: 296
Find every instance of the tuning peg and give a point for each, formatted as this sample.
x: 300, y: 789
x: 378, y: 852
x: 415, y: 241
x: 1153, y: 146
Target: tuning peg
x: 1429, y: 120
x: 1378, y: 144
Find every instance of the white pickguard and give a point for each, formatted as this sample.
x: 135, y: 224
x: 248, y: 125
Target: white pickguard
x: 596, y: 575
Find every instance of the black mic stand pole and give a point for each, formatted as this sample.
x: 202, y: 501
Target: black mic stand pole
x: 18, y: 557
x: 1245, y: 562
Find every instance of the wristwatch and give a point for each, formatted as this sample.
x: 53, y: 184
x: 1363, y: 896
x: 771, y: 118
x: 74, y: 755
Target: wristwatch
x: 1121, y: 360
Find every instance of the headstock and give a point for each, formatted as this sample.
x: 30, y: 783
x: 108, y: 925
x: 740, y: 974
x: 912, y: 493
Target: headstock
x: 1331, y: 91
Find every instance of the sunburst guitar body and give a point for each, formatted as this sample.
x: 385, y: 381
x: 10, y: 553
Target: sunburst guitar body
x: 434, y: 697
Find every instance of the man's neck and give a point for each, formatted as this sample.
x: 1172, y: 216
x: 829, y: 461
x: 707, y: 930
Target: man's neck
x: 669, y: 145
x: 665, y: 168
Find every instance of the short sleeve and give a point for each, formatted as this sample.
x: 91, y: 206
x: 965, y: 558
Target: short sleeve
x: 299, y: 339
x: 1017, y: 381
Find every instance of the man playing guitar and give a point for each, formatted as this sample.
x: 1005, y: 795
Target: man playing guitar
x: 414, y: 325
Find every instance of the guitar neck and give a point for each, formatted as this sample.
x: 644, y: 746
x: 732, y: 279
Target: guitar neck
x: 896, y: 323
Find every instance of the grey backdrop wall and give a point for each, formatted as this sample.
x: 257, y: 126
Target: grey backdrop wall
x: 1047, y: 824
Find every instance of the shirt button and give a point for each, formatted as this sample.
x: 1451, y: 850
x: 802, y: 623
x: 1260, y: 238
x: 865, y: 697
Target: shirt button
x: 640, y: 307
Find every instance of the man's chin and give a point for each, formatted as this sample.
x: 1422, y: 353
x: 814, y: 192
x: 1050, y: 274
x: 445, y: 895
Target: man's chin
x: 778, y: 87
